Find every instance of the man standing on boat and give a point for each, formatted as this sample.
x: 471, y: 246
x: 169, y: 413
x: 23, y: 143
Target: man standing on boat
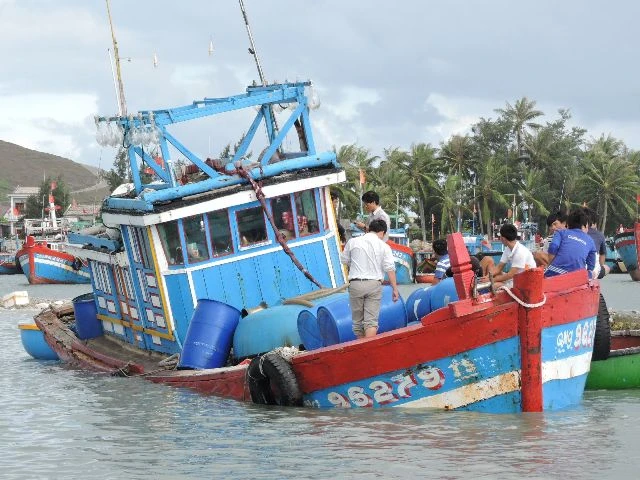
x: 368, y: 258
x: 599, y: 241
x: 371, y: 201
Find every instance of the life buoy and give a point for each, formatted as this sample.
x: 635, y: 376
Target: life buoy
x: 272, y: 381
x: 77, y: 263
x: 602, y: 340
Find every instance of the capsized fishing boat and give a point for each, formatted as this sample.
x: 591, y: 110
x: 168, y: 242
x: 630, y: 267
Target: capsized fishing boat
x: 627, y: 245
x: 220, y: 259
x: 621, y: 370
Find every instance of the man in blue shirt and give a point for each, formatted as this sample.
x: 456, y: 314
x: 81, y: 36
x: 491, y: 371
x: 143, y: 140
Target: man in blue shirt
x: 572, y: 249
x: 440, y: 249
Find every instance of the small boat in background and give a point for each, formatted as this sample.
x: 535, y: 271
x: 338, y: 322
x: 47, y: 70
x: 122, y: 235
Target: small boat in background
x: 621, y: 370
x: 627, y: 245
x: 47, y: 262
x: 8, y: 264
x: 34, y: 343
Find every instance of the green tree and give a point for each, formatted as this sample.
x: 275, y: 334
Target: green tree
x: 120, y: 172
x: 521, y: 115
x: 420, y: 166
x: 353, y: 159
x: 37, y: 205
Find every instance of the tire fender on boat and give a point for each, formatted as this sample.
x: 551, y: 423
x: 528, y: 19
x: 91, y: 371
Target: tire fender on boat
x: 272, y: 381
x: 602, y: 340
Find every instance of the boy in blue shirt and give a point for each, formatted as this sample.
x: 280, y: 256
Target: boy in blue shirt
x: 572, y: 249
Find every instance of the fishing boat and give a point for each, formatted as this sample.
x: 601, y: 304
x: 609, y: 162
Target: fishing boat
x: 44, y: 258
x: 220, y: 259
x: 627, y: 245
x: 621, y: 370
x: 8, y: 264
x: 34, y: 343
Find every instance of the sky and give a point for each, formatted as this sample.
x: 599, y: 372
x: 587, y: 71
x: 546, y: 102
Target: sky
x: 387, y: 74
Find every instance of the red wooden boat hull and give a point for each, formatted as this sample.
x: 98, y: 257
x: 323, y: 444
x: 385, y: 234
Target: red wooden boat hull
x: 565, y: 306
x: 42, y: 265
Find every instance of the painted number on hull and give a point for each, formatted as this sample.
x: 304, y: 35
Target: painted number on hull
x: 580, y: 337
x: 383, y: 393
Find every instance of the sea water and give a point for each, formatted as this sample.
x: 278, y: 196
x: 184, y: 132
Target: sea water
x: 60, y: 423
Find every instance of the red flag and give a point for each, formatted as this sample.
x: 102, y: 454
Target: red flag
x: 51, y: 200
x: 54, y: 185
x: 638, y: 198
x: 362, y: 176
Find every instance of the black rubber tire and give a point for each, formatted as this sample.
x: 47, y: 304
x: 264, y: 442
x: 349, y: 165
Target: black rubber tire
x: 275, y: 384
x: 77, y: 264
x: 602, y: 340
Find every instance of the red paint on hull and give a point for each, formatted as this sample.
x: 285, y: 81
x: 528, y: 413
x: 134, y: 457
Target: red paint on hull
x: 30, y: 248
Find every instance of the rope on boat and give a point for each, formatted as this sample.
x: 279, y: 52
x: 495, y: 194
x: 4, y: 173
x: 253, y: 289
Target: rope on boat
x: 281, y: 239
x: 518, y: 300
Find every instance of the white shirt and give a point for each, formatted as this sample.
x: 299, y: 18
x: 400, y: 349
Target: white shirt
x: 380, y: 214
x: 368, y: 257
x: 520, y: 257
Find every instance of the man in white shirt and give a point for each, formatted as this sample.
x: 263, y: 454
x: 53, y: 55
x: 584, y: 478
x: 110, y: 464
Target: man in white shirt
x: 371, y: 201
x: 516, y: 254
x: 368, y: 258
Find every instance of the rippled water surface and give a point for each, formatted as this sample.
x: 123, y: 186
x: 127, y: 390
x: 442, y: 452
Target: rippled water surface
x: 57, y: 422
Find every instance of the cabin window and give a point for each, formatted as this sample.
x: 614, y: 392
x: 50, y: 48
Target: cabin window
x: 170, y: 238
x: 251, y: 226
x: 283, y: 216
x: 196, y: 239
x: 220, y: 233
x: 307, y: 213
x: 140, y: 247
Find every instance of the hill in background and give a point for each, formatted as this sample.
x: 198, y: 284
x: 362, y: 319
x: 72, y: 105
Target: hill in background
x: 27, y: 168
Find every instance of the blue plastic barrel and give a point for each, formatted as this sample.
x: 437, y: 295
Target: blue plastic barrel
x: 418, y: 304
x: 308, y: 328
x: 86, y: 313
x: 209, y: 336
x: 336, y: 325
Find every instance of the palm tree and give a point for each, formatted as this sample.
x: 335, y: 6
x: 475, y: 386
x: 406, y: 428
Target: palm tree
x: 534, y: 189
x: 610, y: 178
x: 420, y: 165
x: 353, y: 159
x: 520, y: 115
x: 445, y: 193
x: 491, y: 184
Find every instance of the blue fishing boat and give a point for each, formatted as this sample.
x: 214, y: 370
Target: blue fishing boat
x: 627, y: 245
x: 218, y: 259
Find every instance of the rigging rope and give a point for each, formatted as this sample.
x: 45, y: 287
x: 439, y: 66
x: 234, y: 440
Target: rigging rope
x: 281, y: 239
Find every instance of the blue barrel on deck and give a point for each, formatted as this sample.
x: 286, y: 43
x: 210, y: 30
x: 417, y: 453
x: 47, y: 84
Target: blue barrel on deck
x: 336, y: 326
x: 418, y: 304
x: 208, y: 340
x: 86, y: 313
x: 308, y: 327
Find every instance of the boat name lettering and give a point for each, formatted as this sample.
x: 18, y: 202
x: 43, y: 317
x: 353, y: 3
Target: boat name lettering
x: 579, y: 337
x: 383, y: 392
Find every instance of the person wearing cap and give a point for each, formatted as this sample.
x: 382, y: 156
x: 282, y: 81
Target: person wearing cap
x: 516, y: 254
x: 368, y: 258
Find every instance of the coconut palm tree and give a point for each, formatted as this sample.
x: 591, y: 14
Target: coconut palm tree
x: 520, y: 115
x: 490, y: 188
x: 610, y: 178
x: 354, y: 159
x: 421, y: 166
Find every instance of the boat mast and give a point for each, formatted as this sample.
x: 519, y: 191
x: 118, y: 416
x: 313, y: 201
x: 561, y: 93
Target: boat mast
x: 122, y: 104
x: 254, y: 52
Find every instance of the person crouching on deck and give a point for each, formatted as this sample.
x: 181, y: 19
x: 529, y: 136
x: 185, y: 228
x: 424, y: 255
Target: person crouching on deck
x: 572, y: 249
x: 368, y: 258
x: 515, y: 253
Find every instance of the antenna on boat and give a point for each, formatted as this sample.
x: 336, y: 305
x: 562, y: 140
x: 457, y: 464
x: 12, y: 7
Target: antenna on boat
x: 254, y: 52
x: 122, y: 104
x: 252, y: 49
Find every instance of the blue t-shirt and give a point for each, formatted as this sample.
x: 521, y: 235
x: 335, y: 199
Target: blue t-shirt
x: 573, y: 249
x: 443, y: 293
x: 441, y: 266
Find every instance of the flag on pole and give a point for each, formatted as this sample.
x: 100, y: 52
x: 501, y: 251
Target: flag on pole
x: 362, y: 176
x: 638, y: 198
x: 54, y: 185
x: 433, y: 218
